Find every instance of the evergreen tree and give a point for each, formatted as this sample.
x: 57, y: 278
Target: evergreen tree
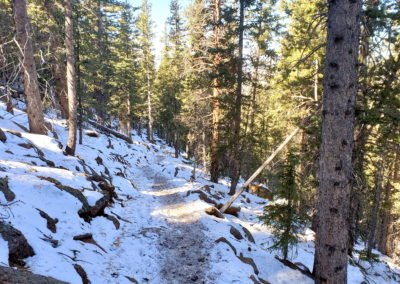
x: 281, y: 213
x: 124, y: 60
x: 170, y: 78
x: 146, y: 59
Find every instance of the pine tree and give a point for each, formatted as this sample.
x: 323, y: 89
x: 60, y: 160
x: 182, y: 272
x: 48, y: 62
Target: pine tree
x: 237, y: 117
x: 124, y: 82
x: 170, y: 78
x: 146, y: 62
x: 281, y: 214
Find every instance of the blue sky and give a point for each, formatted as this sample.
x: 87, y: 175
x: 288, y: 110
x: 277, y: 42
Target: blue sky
x: 160, y: 13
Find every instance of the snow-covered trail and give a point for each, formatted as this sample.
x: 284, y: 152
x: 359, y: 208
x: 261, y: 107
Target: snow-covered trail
x: 182, y: 242
x: 155, y: 231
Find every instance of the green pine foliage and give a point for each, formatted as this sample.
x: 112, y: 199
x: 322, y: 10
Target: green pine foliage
x: 281, y: 214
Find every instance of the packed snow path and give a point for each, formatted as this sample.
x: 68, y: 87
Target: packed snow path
x: 182, y: 243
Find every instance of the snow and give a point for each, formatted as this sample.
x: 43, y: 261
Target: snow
x: 165, y: 235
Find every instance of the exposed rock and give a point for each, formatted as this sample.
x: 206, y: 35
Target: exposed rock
x: 232, y: 210
x: 249, y: 261
x: 98, y: 208
x: 203, y: 196
x: 87, y: 212
x: 10, y: 275
x: 297, y: 266
x: 249, y: 236
x: 82, y: 273
x: 214, y: 212
x: 15, y: 133
x: 131, y: 279
x: 84, y: 212
x: 51, y: 223
x: 5, y: 189
x: 26, y: 145
x: 92, y: 133
x: 224, y: 240
x: 40, y: 153
x: 83, y: 237
x: 99, y: 160
x: 18, y: 246
x: 96, y: 178
x: 108, y: 191
x: 3, y: 137
x: 235, y: 232
x: 261, y: 190
x: 54, y: 243
x: 88, y: 238
x: 114, y: 220
x: 258, y: 280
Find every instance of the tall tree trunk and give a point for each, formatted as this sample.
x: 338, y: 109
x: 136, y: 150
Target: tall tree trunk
x: 335, y: 173
x: 78, y: 78
x: 387, y: 235
x: 214, y: 163
x: 204, y: 149
x: 359, y: 183
x: 128, y: 122
x: 71, y: 80
x: 149, y: 111
x: 316, y: 81
x: 238, y: 108
x: 372, y: 226
x: 57, y: 61
x: 34, y: 106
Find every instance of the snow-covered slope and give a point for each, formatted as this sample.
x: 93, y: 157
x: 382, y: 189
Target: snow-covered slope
x: 154, y: 228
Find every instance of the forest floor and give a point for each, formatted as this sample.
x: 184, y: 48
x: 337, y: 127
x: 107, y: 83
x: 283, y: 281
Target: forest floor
x: 155, y: 230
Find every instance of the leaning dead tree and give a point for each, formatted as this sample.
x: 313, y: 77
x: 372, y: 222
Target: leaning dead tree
x: 110, y: 131
x: 264, y: 165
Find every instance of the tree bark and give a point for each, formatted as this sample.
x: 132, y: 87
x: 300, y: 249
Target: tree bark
x: 34, y: 106
x: 372, y: 226
x: 57, y: 61
x: 71, y: 80
x: 78, y: 79
x: 335, y: 173
x: 214, y: 162
x: 388, y: 237
x: 238, y: 108
x: 359, y: 182
x: 149, y: 110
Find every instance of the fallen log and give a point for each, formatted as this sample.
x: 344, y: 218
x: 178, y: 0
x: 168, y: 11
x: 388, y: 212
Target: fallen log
x: 110, y: 131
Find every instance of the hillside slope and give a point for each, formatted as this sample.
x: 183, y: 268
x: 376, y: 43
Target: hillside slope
x: 129, y: 213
